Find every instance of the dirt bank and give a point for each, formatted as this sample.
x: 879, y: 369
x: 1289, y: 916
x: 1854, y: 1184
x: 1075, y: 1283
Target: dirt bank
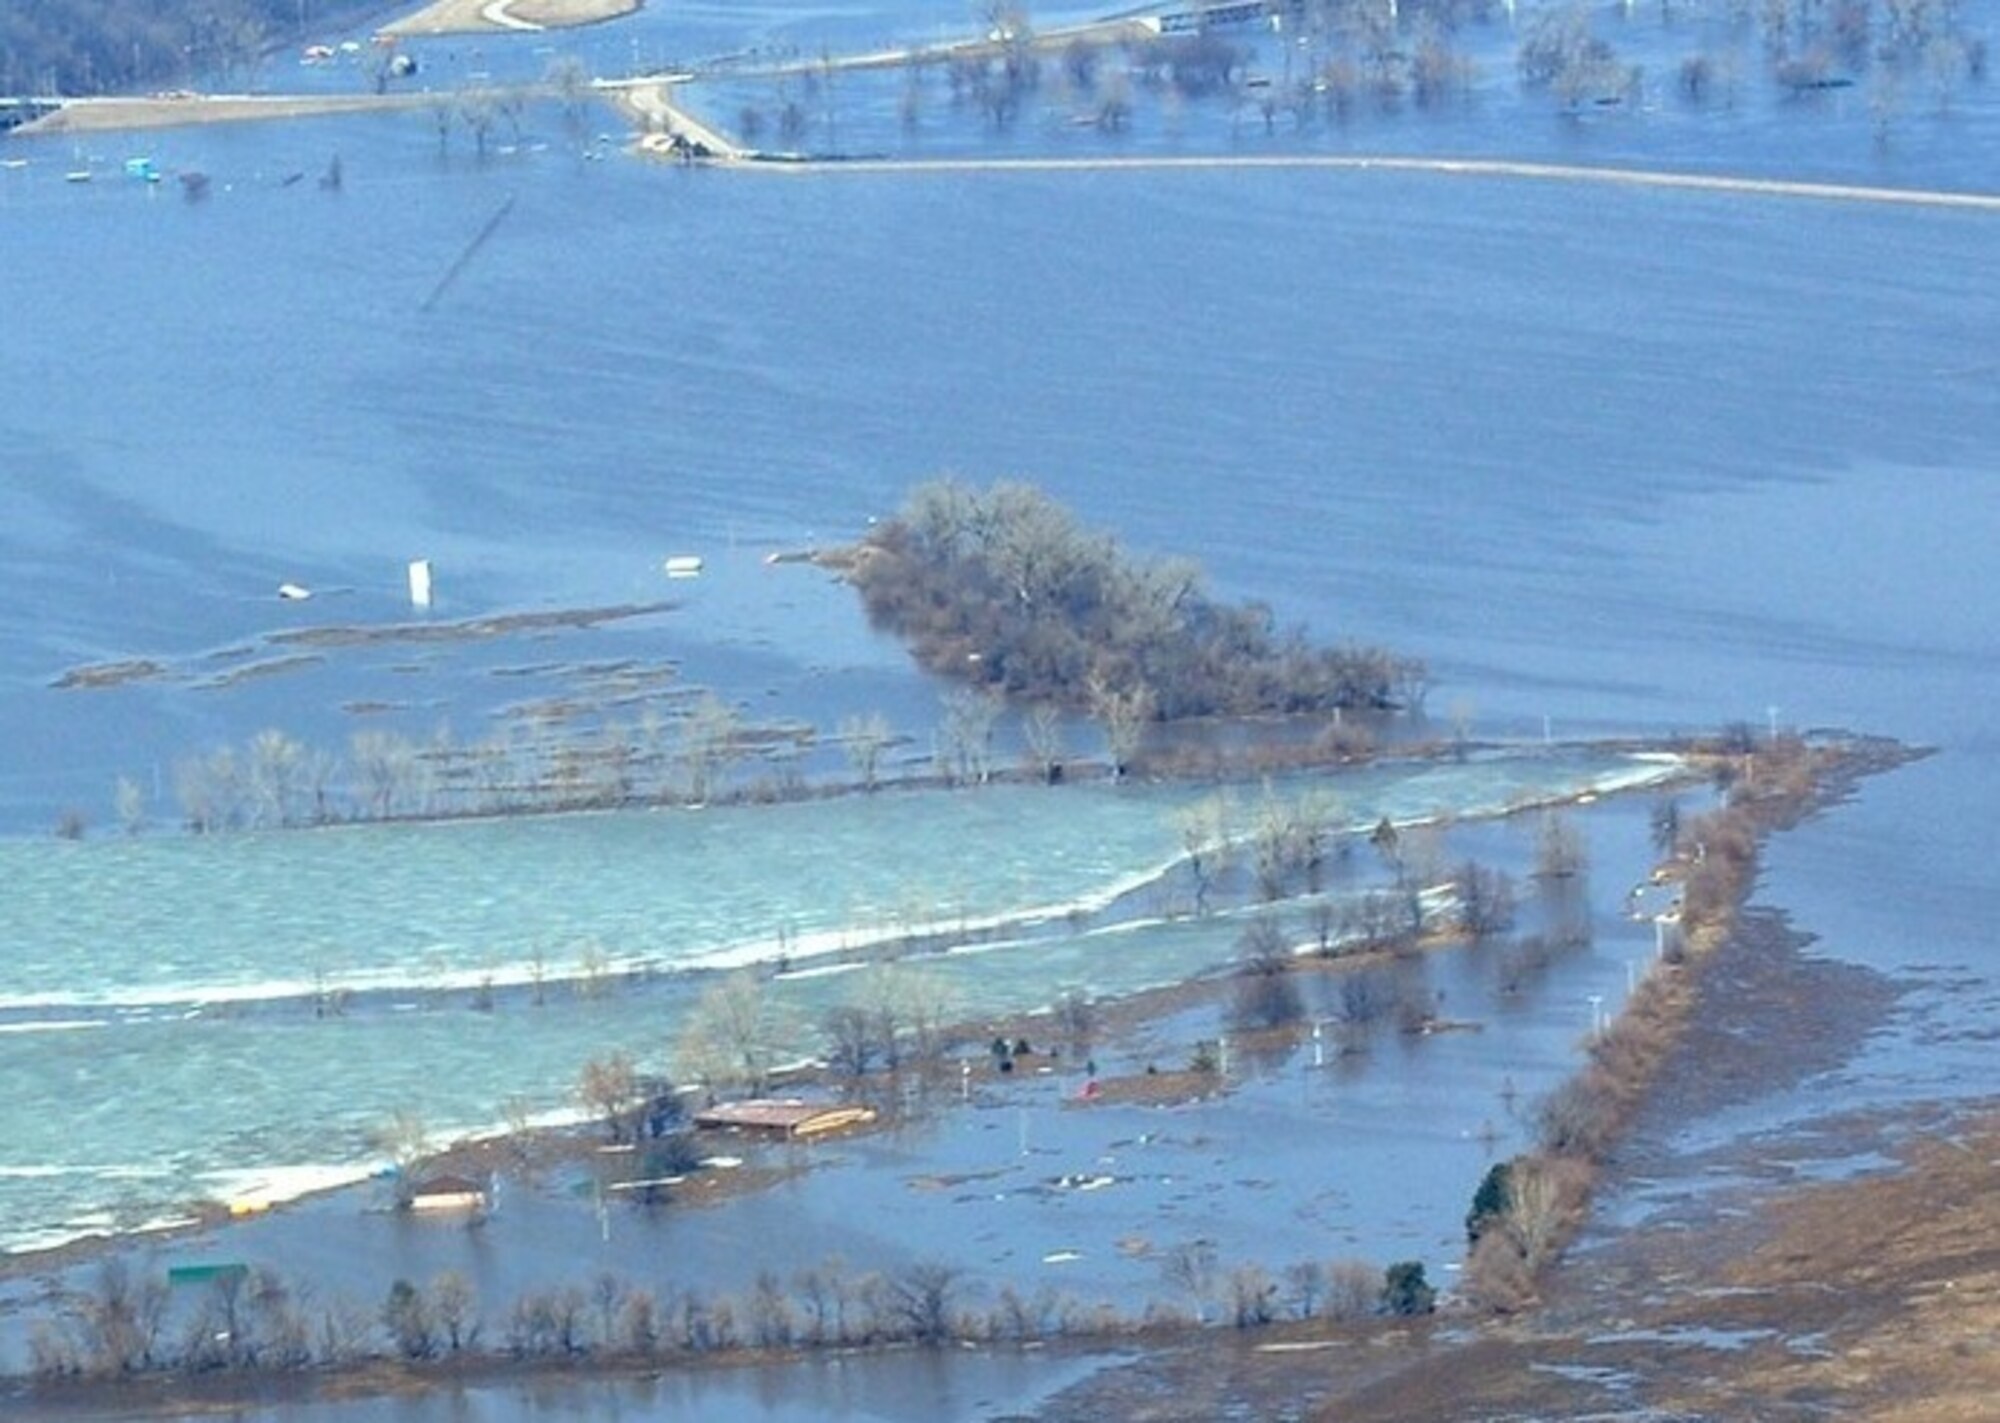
x: 453, y: 17
x: 1720, y: 1286
x: 173, y: 111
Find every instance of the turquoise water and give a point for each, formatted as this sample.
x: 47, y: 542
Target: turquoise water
x: 235, y: 1016
x: 1637, y: 461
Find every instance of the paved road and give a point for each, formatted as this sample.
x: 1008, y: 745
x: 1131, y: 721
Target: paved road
x: 652, y: 101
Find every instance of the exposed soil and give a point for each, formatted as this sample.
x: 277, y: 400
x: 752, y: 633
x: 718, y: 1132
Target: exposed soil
x: 452, y: 17
x: 465, y: 630
x: 109, y: 674
x: 99, y: 675
x: 1873, y: 1297
x: 175, y: 110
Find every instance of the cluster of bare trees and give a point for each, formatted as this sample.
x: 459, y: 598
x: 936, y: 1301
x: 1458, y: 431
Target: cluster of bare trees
x: 1248, y: 1296
x: 690, y: 756
x: 1525, y: 1212
x: 478, y: 111
x: 1897, y: 46
x: 1334, y: 57
x: 1289, y: 843
x: 78, y: 47
x: 703, y: 750
x: 1266, y: 993
x: 271, y: 781
x: 254, y: 1320
x: 740, y: 1032
x: 1284, y: 849
x: 1002, y: 589
x: 1809, y: 42
x: 242, y: 1319
x: 1563, y: 53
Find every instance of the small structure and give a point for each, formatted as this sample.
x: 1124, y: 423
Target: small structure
x: 785, y: 1117
x: 420, y: 583
x: 447, y: 1193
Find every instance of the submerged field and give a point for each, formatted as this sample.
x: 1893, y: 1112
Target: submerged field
x: 1635, y: 461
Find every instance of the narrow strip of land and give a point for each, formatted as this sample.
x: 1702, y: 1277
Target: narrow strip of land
x: 121, y: 114
x: 1461, y: 167
x: 669, y: 127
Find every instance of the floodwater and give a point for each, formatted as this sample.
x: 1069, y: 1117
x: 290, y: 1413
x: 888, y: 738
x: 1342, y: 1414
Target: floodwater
x: 260, y: 1005
x: 898, y: 1388
x: 1632, y: 461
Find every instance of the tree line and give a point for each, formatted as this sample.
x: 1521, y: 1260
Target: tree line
x: 1002, y: 589
x: 255, y: 1321
x: 79, y: 47
x: 1527, y: 1209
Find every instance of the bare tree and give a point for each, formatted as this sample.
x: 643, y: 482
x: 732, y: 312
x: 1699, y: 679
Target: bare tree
x: 1204, y: 832
x: 1252, y: 1297
x: 456, y: 1308
x: 851, y: 1043
x: 709, y: 744
x: 1122, y: 713
x: 1352, y: 1287
x: 918, y: 1297
x: 274, y: 766
x: 384, y: 764
x: 771, y: 1320
x: 569, y: 77
x: 1543, y: 1198
x: 966, y: 734
x: 1559, y: 849
x: 409, y: 1320
x: 639, y: 1322
x: 479, y: 110
x: 209, y: 789
x: 1485, y: 899
x: 736, y: 1033
x: 122, y: 1318
x: 864, y: 739
x: 1265, y: 994
x: 1191, y: 1266
x: 609, y: 1086
x: 1041, y: 733
x: 1076, y: 1017
x: 1305, y: 1281
x: 406, y: 1141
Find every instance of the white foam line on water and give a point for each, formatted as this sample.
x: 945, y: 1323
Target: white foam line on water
x: 819, y: 971
x: 136, y: 1005
x: 47, y: 1170
x: 94, y: 1226
x: 265, y: 1186
x: 853, y: 938
x: 1647, y: 768
x: 53, y: 1025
